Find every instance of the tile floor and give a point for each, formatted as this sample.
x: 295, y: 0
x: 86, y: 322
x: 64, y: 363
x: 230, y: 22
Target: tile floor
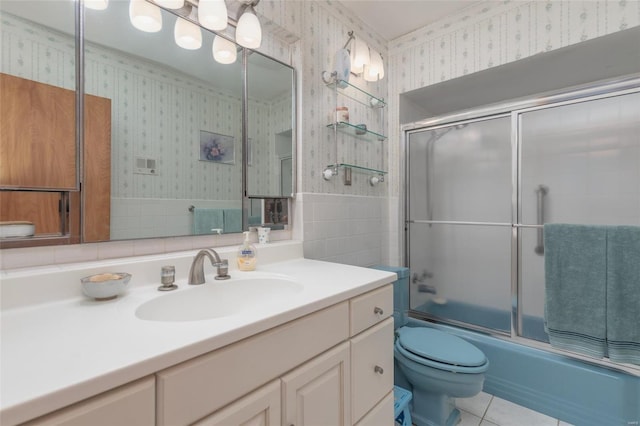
x: 488, y: 410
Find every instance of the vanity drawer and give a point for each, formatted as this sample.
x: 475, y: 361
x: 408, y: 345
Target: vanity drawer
x: 189, y: 391
x: 371, y: 308
x: 371, y: 367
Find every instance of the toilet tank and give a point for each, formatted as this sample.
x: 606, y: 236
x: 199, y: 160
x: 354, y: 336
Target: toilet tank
x: 400, y: 293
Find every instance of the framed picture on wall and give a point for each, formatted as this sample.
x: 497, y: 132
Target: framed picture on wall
x: 216, y: 148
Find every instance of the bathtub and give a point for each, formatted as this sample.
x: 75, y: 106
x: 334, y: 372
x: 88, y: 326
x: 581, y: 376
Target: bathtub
x: 569, y: 389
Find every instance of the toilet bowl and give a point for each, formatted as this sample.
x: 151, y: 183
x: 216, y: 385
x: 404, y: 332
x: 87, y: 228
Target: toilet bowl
x: 439, y: 367
x: 436, y: 366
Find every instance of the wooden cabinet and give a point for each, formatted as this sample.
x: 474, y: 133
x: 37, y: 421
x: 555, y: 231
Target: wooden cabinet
x: 38, y: 135
x: 38, y: 151
x: 317, y: 393
x: 129, y: 405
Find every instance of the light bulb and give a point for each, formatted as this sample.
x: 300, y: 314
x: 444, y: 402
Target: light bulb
x: 374, y: 69
x: 187, y: 34
x: 170, y: 4
x: 248, y: 31
x: 224, y: 51
x: 212, y: 14
x: 96, y: 4
x: 145, y: 16
x: 359, y: 56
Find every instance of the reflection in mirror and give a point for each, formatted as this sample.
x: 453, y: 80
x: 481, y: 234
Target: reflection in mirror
x: 176, y: 128
x: 37, y: 120
x: 162, y: 152
x: 271, y: 123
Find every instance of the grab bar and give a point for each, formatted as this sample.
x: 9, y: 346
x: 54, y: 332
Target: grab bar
x: 541, y: 191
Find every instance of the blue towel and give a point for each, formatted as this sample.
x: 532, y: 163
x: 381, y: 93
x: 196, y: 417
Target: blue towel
x: 575, y: 287
x: 623, y: 293
x: 232, y: 220
x: 204, y: 220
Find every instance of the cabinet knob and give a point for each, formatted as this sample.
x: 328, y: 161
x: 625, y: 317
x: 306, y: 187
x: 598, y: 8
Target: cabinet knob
x: 378, y: 311
x: 378, y: 369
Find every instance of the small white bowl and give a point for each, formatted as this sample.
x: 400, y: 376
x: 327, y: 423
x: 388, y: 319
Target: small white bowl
x: 105, y: 286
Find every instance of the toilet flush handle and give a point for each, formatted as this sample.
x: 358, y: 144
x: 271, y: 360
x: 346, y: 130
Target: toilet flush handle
x: 378, y: 369
x: 378, y: 311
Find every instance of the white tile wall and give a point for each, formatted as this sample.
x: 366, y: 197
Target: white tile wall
x: 346, y: 229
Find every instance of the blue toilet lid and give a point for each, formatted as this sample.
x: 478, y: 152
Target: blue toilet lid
x: 440, y: 347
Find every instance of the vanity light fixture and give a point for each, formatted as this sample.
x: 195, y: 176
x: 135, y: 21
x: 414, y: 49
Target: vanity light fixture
x: 96, y: 4
x: 364, y: 60
x: 187, y: 34
x: 212, y: 14
x: 145, y: 16
x: 170, y: 4
x: 248, y: 30
x: 224, y: 51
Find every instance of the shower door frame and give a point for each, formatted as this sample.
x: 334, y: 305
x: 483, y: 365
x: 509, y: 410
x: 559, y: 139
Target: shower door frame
x: 592, y: 91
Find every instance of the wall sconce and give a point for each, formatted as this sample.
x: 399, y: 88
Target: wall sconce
x: 364, y: 60
x: 187, y: 34
x: 212, y: 14
x: 96, y: 4
x: 224, y: 51
x: 248, y: 30
x: 145, y: 16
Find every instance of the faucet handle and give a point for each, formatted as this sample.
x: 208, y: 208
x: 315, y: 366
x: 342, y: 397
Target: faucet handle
x: 223, y: 270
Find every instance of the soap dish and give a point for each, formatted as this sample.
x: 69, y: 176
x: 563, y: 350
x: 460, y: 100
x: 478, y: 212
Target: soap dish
x: 105, y: 286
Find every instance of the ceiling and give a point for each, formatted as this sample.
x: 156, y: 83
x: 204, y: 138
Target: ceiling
x: 394, y: 18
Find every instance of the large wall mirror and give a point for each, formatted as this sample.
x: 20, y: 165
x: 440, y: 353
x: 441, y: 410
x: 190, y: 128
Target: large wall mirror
x: 162, y: 153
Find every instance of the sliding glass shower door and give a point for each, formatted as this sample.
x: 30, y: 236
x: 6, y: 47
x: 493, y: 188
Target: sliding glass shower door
x: 580, y: 163
x: 460, y: 222
x: 479, y: 191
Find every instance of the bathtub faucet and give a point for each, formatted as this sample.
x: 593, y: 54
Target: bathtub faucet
x: 420, y: 280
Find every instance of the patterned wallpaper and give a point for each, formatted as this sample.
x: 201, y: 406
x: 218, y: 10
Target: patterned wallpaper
x: 489, y: 34
x: 156, y: 113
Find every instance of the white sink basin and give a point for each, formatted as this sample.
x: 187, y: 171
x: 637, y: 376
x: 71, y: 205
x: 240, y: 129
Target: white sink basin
x: 216, y: 299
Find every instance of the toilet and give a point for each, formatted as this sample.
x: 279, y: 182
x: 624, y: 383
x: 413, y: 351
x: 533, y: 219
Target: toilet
x: 436, y: 366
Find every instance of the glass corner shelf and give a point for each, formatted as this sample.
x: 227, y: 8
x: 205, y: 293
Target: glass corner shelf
x: 357, y: 168
x: 358, y: 132
x: 356, y: 93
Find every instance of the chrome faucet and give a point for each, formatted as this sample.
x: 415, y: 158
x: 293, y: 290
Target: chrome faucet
x: 196, y: 272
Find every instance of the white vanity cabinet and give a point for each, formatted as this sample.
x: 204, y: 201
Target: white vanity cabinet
x: 372, y: 356
x: 332, y: 367
x: 131, y: 404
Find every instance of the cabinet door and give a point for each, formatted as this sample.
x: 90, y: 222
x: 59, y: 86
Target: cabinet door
x: 38, y: 134
x: 318, y: 392
x: 259, y: 408
x: 128, y: 405
x: 372, y: 367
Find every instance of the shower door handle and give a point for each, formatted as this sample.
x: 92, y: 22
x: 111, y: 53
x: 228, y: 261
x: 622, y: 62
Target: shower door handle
x: 541, y: 192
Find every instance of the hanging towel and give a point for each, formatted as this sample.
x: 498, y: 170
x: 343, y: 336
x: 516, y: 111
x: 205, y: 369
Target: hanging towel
x: 623, y: 294
x: 575, y: 287
x: 206, y: 220
x: 232, y: 220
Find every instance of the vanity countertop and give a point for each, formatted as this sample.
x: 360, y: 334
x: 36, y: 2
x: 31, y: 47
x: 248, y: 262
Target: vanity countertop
x: 55, y: 353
